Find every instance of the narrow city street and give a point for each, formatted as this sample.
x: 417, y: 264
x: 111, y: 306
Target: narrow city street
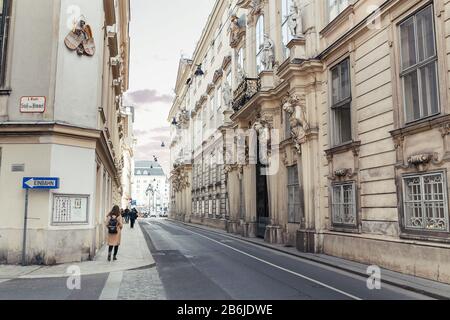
x: 199, y: 264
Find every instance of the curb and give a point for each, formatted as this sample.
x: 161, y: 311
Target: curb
x: 336, y: 266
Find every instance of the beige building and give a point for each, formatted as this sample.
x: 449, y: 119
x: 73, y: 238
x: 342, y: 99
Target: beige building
x: 64, y: 67
x: 351, y: 100
x: 128, y: 141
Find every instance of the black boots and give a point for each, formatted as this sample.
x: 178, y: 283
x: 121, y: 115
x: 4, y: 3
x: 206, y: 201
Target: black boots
x: 109, y: 258
x: 115, y: 258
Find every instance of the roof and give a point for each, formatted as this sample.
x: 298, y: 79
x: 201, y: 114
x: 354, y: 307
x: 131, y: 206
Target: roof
x: 148, y: 168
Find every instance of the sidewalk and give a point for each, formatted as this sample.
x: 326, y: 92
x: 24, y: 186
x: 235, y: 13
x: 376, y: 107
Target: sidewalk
x: 431, y: 288
x: 133, y: 254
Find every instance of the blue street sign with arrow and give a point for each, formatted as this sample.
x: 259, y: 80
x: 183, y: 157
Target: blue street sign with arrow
x: 40, y: 183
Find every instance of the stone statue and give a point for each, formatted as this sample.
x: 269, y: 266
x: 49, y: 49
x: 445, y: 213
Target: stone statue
x: 226, y: 94
x: 295, y: 106
x: 236, y: 31
x: 295, y: 20
x: 268, y: 53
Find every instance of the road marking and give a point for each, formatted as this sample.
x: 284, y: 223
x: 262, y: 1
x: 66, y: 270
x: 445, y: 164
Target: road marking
x: 112, y: 286
x: 278, y: 267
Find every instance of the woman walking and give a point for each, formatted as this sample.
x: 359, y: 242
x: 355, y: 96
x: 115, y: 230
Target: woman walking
x: 114, y: 223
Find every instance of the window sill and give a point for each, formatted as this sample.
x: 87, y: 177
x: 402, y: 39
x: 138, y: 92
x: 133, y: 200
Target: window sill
x: 421, y: 125
x: 353, y: 145
x: 345, y: 229
x: 438, y: 237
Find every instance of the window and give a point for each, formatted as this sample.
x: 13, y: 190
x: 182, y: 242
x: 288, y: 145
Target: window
x: 344, y: 205
x: 286, y: 33
x: 240, y: 64
x: 218, y: 96
x: 259, y: 44
x: 425, y: 202
x: 419, y: 65
x: 287, y: 126
x: 341, y: 101
x: 335, y: 7
x: 295, y: 203
x: 4, y: 24
x: 213, y: 106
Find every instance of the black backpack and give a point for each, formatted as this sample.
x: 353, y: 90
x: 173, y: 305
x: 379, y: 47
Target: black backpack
x: 112, y: 225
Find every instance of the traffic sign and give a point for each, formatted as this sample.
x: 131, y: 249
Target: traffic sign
x: 40, y: 183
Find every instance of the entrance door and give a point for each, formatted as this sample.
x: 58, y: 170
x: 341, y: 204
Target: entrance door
x: 262, y: 198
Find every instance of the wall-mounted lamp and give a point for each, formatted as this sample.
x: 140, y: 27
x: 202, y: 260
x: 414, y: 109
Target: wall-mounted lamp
x: 199, y: 71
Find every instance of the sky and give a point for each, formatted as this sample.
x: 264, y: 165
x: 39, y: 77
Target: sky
x: 161, y: 31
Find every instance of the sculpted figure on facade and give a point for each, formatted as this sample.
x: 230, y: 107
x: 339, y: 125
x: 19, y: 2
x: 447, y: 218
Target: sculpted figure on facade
x: 295, y: 20
x: 295, y: 107
x: 227, y: 95
x: 268, y: 54
x: 237, y: 31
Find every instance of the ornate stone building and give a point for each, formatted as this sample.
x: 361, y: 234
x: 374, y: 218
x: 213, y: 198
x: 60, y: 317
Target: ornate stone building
x: 64, y: 68
x: 347, y: 100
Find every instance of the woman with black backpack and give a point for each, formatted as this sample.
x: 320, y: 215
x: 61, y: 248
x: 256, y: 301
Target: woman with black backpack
x: 114, y: 224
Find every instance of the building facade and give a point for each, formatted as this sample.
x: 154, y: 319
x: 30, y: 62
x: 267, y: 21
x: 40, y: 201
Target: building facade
x: 128, y: 145
x: 150, y: 187
x: 64, y: 67
x: 348, y: 102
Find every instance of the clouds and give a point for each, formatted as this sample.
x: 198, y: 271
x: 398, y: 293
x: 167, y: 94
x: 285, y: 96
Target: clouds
x: 148, y: 96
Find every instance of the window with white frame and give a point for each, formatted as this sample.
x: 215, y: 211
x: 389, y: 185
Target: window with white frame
x: 259, y: 43
x: 218, y: 206
x: 212, y: 102
x: 335, y: 7
x: 425, y: 202
x: 343, y: 205
x: 286, y: 33
x: 295, y: 203
x: 341, y: 101
x: 419, y: 65
x: 240, y: 58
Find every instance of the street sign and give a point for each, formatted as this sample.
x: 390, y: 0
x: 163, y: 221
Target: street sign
x: 33, y: 104
x: 40, y: 183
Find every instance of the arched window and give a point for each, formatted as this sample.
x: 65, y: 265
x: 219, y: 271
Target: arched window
x: 286, y: 33
x: 259, y: 43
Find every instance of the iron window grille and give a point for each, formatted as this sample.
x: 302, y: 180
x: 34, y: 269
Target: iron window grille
x: 426, y: 202
x: 343, y: 199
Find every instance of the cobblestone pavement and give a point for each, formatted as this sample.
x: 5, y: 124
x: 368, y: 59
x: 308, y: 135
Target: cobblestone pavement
x: 141, y: 285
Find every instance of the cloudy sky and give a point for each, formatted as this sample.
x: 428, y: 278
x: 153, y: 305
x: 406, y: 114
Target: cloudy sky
x: 161, y: 31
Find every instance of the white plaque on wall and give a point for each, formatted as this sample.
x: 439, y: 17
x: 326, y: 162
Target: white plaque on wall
x: 70, y: 209
x: 33, y: 104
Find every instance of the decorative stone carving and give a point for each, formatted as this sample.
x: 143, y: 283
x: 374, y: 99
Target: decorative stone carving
x: 268, y: 53
x: 445, y: 129
x: 295, y: 20
x: 226, y: 61
x: 421, y: 159
x: 227, y: 95
x: 237, y: 31
x: 210, y: 88
x: 180, y: 179
x: 295, y: 107
x: 217, y: 75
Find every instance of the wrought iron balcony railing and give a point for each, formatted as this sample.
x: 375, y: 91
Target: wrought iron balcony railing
x: 245, y: 91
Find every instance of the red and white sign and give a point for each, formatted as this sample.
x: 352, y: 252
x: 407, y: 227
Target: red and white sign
x: 33, y: 104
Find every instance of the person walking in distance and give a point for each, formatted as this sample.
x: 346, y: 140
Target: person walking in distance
x: 133, y: 217
x: 127, y: 216
x: 114, y: 224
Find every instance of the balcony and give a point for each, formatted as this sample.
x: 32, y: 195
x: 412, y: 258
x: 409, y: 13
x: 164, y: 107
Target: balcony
x: 245, y: 91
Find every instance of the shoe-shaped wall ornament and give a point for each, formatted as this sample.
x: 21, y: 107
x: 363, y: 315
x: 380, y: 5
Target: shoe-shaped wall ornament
x: 81, y: 39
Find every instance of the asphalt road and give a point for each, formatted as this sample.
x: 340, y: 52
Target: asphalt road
x: 197, y: 264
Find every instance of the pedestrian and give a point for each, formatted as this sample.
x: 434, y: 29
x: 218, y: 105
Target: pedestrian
x: 133, y: 217
x: 114, y: 224
x: 127, y: 216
